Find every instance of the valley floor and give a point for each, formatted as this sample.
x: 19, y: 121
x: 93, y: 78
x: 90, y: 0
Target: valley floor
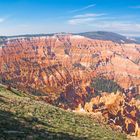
x: 24, y: 118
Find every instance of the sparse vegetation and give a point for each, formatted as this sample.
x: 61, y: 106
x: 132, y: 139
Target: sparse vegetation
x: 22, y: 118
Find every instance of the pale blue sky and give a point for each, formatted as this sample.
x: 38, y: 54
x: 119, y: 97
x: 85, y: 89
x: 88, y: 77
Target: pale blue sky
x: 49, y: 16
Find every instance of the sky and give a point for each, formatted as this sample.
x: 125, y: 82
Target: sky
x: 51, y: 16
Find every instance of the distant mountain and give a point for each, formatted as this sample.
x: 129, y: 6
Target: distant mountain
x: 26, y: 35
x: 103, y: 35
x: 100, y: 35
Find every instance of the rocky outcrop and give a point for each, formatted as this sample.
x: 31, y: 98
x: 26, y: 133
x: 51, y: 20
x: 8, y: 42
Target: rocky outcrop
x: 118, y: 110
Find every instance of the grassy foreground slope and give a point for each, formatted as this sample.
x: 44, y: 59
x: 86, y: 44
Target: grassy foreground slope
x: 24, y: 118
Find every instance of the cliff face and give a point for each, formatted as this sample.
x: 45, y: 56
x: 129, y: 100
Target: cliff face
x: 61, y: 67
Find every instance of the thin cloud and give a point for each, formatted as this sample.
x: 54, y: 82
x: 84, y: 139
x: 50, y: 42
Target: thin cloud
x: 80, y: 21
x: 2, y: 20
x: 135, y: 7
x: 89, y: 15
x: 117, y: 26
x: 85, y: 18
x: 82, y: 9
x: 86, y: 21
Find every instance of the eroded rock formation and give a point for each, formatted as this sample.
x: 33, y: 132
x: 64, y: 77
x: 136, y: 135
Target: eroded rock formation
x: 60, y: 68
x: 120, y: 111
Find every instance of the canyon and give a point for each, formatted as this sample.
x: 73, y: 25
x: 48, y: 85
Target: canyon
x: 51, y: 64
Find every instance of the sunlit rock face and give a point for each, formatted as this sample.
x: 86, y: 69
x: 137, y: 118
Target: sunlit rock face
x: 61, y: 67
x: 120, y: 111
